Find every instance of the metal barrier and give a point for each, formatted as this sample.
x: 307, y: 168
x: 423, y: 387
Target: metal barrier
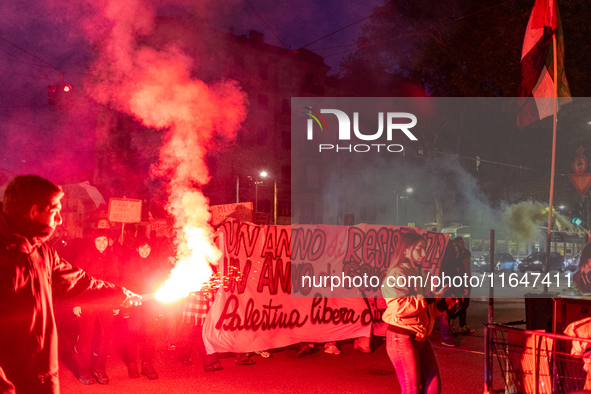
x: 534, y: 362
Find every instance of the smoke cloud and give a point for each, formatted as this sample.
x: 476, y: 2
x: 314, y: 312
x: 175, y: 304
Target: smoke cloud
x: 157, y: 88
x: 523, y: 220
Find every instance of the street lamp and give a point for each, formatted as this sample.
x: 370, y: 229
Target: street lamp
x: 264, y: 174
x: 399, y: 197
x: 256, y: 195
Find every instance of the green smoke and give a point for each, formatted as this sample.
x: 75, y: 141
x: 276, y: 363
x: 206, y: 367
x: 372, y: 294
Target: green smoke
x: 523, y: 220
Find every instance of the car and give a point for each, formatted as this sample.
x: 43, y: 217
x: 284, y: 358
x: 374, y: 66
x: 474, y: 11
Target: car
x: 572, y: 263
x: 502, y: 262
x: 536, y: 260
x: 505, y: 262
x: 478, y: 264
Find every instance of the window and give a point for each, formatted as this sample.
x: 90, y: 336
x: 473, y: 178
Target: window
x: 501, y: 246
x: 308, y: 213
x: 284, y: 208
x: 263, y: 100
x: 238, y: 66
x: 262, y: 136
x: 286, y: 174
x: 312, y: 177
x: 477, y: 245
x: 285, y: 107
x: 286, y: 139
x: 264, y: 71
x: 560, y: 248
x: 569, y: 249
x: 287, y: 76
x: 513, y: 248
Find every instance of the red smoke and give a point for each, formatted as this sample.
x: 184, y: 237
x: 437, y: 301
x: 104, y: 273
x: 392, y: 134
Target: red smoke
x: 156, y: 87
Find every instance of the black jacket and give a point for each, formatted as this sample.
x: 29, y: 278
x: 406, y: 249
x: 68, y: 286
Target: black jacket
x: 31, y: 275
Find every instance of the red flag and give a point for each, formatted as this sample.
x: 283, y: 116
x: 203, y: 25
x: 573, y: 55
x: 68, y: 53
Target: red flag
x: 538, y: 87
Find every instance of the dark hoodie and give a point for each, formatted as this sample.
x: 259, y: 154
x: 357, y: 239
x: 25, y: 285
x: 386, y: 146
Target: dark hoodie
x: 31, y: 275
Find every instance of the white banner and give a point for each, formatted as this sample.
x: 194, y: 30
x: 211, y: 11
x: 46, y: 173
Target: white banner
x: 265, y: 302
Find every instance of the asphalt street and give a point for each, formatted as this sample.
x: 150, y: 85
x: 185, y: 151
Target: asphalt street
x: 462, y: 368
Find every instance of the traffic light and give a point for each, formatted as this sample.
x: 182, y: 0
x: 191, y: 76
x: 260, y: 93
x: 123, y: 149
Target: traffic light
x: 578, y: 214
x: 56, y: 94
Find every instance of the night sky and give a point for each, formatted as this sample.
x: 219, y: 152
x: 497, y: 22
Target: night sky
x: 40, y: 40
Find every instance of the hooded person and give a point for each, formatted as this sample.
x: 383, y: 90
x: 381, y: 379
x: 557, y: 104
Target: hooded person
x: 145, y: 272
x: 32, y: 274
x: 96, y: 321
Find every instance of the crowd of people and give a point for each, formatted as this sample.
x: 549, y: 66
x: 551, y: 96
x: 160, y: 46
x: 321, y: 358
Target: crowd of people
x: 89, y: 329
x: 96, y: 314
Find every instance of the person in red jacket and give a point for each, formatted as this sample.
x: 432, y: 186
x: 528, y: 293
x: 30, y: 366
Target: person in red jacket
x: 31, y: 275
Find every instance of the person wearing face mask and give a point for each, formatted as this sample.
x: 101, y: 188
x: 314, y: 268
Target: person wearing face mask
x: 410, y: 314
x: 95, y: 321
x: 32, y: 276
x: 146, y: 273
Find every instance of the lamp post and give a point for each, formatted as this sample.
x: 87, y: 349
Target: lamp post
x: 264, y: 174
x: 401, y: 197
x: 256, y: 195
x: 237, y: 189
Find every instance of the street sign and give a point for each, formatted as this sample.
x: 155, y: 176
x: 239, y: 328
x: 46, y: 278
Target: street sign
x: 580, y: 179
x: 125, y: 210
x: 581, y: 182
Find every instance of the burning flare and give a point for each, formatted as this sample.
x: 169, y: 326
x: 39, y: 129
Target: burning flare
x: 195, y: 251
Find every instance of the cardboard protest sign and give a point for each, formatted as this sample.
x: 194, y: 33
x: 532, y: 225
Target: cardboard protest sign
x: 160, y: 227
x: 125, y: 210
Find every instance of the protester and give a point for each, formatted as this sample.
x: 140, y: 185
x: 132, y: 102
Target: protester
x: 331, y: 348
x: 145, y: 273
x: 197, y: 306
x: 450, y: 267
x: 96, y: 321
x: 409, y: 313
x: 106, y: 224
x: 464, y: 258
x: 582, y: 278
x: 31, y: 275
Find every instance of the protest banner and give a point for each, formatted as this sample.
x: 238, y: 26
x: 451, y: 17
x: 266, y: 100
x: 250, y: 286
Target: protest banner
x: 242, y: 211
x: 263, y: 302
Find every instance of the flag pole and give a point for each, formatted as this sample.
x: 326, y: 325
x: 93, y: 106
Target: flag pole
x: 549, y: 235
